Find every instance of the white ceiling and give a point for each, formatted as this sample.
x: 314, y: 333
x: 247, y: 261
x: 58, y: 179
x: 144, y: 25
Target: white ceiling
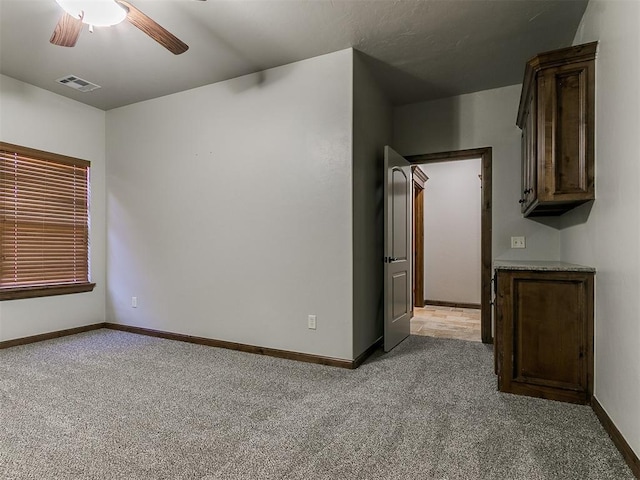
x: 419, y: 49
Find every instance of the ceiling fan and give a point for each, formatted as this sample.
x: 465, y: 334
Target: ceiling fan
x: 104, y: 13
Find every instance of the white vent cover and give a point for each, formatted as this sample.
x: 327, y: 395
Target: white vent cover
x: 77, y: 83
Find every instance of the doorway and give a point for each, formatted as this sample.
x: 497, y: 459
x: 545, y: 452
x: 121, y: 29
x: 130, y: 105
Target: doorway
x: 484, y: 154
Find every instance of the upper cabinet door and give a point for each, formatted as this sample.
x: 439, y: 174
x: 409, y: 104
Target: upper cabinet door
x: 568, y: 140
x: 529, y: 151
x: 557, y: 118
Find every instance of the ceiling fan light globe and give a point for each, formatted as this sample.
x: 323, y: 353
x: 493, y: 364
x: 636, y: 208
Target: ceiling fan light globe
x: 100, y: 13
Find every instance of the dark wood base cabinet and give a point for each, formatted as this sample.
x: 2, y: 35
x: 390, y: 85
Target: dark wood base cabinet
x: 544, y: 334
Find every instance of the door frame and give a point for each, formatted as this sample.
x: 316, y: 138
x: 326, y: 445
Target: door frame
x: 485, y: 154
x: 419, y: 181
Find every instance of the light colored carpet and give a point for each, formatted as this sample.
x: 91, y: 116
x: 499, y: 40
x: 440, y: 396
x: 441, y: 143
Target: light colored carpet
x: 113, y: 405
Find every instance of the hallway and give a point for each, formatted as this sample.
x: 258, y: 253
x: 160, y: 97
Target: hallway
x: 446, y: 322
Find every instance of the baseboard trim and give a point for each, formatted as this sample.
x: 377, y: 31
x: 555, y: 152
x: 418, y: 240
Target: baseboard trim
x: 49, y: 336
x: 439, y: 303
x: 210, y: 342
x: 271, y: 352
x: 618, y: 440
x: 367, y: 353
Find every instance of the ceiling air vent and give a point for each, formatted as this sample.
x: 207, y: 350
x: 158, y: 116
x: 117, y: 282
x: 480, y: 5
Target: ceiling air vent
x: 77, y: 83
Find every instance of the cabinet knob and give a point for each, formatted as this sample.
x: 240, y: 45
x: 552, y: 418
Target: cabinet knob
x: 522, y: 200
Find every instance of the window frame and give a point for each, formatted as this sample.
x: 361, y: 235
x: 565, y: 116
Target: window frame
x: 45, y: 290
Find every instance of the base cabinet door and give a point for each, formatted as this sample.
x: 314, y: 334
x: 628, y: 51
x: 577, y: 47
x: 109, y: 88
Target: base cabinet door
x: 545, y: 326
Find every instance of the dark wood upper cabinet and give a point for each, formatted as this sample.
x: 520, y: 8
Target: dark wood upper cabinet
x: 556, y: 115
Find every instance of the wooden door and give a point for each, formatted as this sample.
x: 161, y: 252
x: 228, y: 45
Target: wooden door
x: 397, y: 249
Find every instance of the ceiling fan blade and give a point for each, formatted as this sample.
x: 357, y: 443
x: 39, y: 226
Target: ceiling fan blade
x: 67, y: 31
x: 160, y: 34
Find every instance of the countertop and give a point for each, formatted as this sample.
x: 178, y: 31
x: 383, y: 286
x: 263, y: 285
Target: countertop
x: 540, y: 266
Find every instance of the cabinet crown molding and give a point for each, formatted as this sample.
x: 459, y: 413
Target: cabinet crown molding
x: 554, y: 58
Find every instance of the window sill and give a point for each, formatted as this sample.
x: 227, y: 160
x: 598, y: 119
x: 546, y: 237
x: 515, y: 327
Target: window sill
x: 15, y: 293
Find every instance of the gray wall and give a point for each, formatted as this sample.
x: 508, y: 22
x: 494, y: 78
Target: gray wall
x: 481, y: 119
x: 35, y: 118
x: 452, y: 211
x: 607, y: 234
x: 229, y: 209
x: 371, y: 132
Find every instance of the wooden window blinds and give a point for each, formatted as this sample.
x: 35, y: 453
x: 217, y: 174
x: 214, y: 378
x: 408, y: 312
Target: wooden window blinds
x: 44, y: 223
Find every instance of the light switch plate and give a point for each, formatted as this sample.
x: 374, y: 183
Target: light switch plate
x: 517, y: 242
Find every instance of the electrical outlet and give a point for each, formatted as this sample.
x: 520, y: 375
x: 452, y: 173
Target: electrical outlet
x: 134, y: 302
x: 311, y: 322
x: 517, y: 242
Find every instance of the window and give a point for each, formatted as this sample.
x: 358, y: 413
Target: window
x: 44, y: 223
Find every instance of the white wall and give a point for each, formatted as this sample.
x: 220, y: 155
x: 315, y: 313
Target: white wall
x: 229, y: 209
x: 371, y: 132
x: 35, y: 118
x: 482, y: 119
x: 608, y: 237
x: 452, y: 232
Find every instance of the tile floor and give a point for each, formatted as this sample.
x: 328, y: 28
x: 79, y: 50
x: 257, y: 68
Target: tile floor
x: 447, y: 322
